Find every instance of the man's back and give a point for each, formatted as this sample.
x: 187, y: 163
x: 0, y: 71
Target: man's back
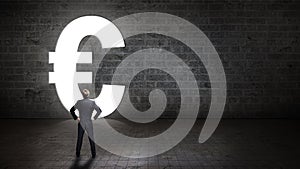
x: 85, y: 108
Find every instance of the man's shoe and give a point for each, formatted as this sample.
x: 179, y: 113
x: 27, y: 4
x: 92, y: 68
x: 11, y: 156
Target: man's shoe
x: 93, y: 155
x: 77, y: 154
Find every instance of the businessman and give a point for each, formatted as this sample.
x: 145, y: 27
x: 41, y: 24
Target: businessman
x: 85, y: 108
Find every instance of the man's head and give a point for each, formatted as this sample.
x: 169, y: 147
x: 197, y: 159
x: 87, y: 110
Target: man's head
x: 85, y: 93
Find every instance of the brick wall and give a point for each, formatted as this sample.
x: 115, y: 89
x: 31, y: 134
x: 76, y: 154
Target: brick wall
x: 257, y: 41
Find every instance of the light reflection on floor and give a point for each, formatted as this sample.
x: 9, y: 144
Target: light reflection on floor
x: 50, y: 143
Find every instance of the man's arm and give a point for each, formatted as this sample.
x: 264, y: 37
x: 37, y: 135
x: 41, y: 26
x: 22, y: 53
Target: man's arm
x: 72, y: 110
x: 98, y: 111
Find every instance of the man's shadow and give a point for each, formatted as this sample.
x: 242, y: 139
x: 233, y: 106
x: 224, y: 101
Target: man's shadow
x: 86, y: 165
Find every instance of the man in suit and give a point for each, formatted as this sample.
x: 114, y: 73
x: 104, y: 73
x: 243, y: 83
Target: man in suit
x: 85, y: 108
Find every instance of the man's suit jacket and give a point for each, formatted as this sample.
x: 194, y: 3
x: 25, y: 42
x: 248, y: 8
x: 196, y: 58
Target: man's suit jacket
x: 86, y: 108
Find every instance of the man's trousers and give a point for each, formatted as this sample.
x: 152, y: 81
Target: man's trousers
x: 79, y: 141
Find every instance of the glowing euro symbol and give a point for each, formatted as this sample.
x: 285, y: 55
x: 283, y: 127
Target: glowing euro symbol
x: 66, y: 79
x: 66, y: 56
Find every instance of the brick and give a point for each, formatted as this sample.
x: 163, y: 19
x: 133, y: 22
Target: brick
x: 257, y: 41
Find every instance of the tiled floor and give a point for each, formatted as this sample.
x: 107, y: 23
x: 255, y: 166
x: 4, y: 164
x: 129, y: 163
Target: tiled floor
x: 245, y: 144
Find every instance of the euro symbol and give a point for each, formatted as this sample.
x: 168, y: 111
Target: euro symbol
x: 66, y: 56
x: 66, y: 79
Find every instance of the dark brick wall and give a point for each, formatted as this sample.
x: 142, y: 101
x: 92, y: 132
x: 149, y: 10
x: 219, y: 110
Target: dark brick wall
x: 258, y: 43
